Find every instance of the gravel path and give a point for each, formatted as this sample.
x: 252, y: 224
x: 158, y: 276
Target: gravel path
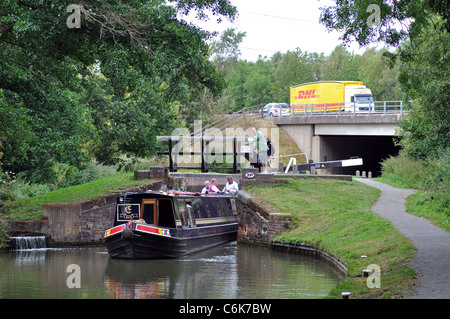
x: 432, y: 262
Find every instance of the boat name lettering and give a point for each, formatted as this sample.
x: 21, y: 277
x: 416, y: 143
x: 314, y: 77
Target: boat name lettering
x: 128, y: 211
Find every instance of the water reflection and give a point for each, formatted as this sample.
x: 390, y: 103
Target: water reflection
x: 229, y: 271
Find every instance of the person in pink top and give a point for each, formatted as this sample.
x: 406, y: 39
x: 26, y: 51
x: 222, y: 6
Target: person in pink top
x: 213, y: 187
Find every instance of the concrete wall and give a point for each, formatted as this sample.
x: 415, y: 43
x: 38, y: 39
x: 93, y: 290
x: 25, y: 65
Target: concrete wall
x: 72, y: 224
x: 367, y: 129
x: 312, y: 134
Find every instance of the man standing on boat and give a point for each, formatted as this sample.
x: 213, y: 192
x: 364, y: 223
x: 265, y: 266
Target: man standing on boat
x: 260, y: 146
x: 231, y: 188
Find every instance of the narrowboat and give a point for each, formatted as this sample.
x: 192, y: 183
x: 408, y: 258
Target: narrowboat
x: 155, y: 225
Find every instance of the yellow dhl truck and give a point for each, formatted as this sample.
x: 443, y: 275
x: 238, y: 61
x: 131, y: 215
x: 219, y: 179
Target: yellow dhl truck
x: 347, y: 96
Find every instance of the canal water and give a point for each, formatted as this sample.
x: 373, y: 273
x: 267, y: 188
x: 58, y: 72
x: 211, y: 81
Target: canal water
x: 231, y: 271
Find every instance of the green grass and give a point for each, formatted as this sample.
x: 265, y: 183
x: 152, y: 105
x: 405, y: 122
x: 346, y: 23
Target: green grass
x: 31, y: 208
x: 335, y: 217
x: 427, y: 204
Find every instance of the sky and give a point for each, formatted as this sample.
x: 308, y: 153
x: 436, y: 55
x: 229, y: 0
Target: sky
x: 280, y: 25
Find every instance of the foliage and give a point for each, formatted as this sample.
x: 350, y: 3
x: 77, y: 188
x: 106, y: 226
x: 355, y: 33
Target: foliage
x: 431, y: 178
x: 225, y: 52
x: 268, y: 80
x: 102, y: 90
x: 398, y: 20
x: 425, y: 74
x: 419, y: 32
x: 341, y: 65
x: 292, y: 68
x: 402, y: 171
x: 4, y: 229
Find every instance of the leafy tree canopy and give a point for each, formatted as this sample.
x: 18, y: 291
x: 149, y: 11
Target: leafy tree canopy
x: 105, y: 88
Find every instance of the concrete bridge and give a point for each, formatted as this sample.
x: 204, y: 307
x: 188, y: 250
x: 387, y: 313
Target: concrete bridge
x: 336, y: 137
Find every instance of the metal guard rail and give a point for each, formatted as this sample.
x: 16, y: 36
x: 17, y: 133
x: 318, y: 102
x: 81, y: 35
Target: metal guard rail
x: 377, y: 107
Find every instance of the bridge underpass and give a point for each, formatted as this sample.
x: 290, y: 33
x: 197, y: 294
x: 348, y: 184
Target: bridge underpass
x: 372, y: 149
x: 337, y: 137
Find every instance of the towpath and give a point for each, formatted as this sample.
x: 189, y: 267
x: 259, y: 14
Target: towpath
x: 432, y: 261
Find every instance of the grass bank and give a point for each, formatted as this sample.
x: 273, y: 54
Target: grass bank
x: 31, y: 208
x: 430, y: 178
x: 424, y: 203
x: 335, y: 217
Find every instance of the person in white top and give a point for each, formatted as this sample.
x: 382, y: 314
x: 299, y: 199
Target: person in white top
x: 206, y: 188
x: 231, y: 187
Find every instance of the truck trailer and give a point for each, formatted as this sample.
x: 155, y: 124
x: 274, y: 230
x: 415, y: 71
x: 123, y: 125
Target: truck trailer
x: 331, y: 96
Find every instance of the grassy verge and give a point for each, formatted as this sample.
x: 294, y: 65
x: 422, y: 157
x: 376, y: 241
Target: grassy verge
x: 430, y: 178
x: 427, y: 204
x: 31, y: 208
x: 335, y: 217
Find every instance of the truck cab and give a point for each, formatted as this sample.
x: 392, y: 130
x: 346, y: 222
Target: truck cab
x: 358, y: 99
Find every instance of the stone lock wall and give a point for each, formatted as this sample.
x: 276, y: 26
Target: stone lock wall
x: 82, y: 222
x: 71, y: 224
x: 257, y: 223
x: 86, y: 221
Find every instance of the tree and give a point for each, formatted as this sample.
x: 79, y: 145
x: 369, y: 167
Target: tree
x: 258, y: 84
x: 367, y: 22
x: 341, y: 65
x: 225, y: 51
x: 424, y: 77
x: 291, y: 68
x: 146, y: 55
x: 377, y: 74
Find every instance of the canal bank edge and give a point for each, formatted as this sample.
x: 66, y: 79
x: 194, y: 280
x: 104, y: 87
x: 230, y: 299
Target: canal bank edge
x: 79, y: 223
x: 259, y: 221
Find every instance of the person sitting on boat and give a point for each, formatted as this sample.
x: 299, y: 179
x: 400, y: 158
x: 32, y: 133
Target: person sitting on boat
x: 213, y: 187
x: 231, y: 187
x: 205, y: 189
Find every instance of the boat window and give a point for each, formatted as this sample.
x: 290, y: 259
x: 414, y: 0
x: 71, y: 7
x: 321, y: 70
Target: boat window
x: 222, y: 207
x: 186, y: 212
x: 148, y: 212
x: 233, y: 206
x: 190, y: 214
x: 166, y: 217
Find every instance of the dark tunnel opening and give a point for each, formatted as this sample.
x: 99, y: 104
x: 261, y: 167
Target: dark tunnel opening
x: 372, y: 149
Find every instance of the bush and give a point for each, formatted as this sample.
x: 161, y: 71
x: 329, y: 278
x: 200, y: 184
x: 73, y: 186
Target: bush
x: 402, y: 171
x: 14, y: 187
x: 67, y: 175
x: 4, y: 228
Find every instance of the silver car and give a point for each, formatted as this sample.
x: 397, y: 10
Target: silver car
x: 275, y: 109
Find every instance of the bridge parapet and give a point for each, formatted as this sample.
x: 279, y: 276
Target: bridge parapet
x: 339, y: 119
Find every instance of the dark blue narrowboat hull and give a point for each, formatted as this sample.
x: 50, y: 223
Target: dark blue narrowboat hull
x: 154, y: 225
x: 135, y: 244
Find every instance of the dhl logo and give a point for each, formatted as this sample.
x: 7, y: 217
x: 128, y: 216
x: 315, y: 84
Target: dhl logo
x: 308, y: 94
